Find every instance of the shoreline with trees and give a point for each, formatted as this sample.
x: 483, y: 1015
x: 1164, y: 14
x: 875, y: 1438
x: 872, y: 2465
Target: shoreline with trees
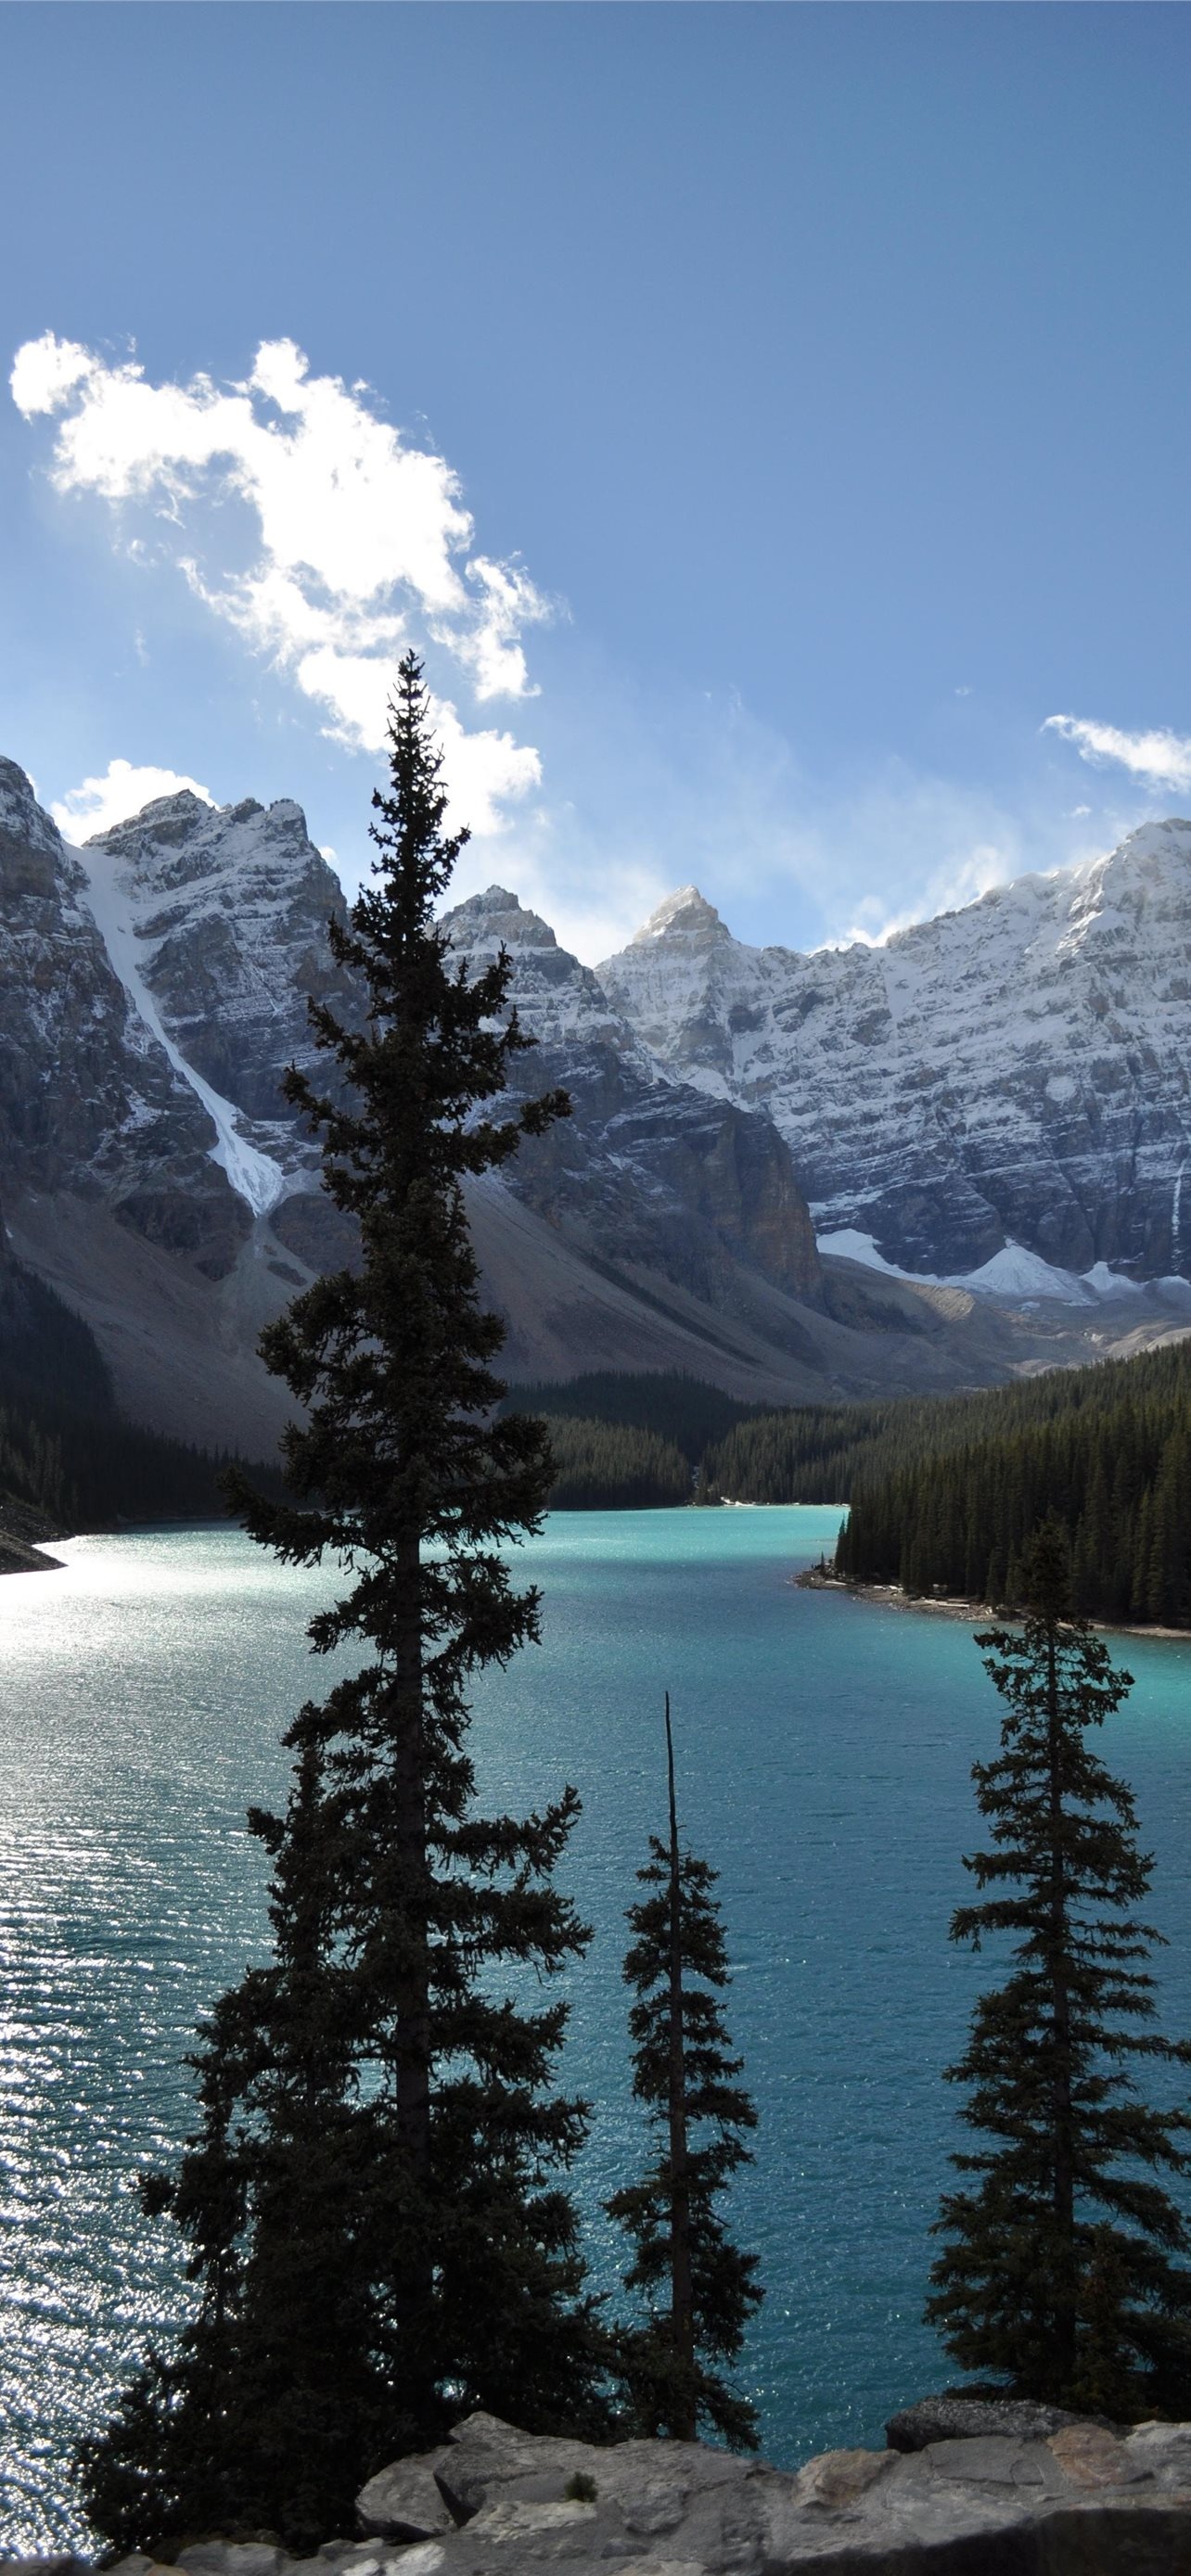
x: 965, y: 1613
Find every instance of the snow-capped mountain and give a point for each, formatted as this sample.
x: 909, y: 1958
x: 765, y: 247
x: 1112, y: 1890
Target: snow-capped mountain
x: 89, y: 1099
x: 215, y: 918
x: 1015, y: 1074
x: 559, y: 1000
x: 647, y: 1170
x: 153, y: 988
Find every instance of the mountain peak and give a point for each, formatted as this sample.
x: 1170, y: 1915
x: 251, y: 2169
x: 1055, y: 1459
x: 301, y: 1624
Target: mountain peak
x: 685, y: 914
x: 163, y: 815
x: 497, y: 916
x: 21, y: 817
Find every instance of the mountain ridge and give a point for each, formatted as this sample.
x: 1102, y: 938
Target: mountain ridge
x: 1011, y: 1073
x: 153, y: 986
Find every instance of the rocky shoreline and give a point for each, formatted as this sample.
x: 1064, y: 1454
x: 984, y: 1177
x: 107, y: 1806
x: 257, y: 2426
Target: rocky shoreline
x: 23, y: 1533
x: 965, y: 2488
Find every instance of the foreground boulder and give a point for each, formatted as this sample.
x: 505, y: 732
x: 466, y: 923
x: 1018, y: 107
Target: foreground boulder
x: 407, y: 2502
x: 1078, y: 2501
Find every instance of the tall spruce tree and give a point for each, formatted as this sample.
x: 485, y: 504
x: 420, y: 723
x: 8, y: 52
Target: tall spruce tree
x: 1059, y: 2275
x: 700, y: 2288
x: 374, y: 2200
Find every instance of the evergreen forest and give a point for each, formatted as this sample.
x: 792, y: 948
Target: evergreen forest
x: 1106, y: 1450
x: 609, y: 1466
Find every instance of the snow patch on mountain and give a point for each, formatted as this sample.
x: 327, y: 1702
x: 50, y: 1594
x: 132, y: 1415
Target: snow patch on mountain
x: 1011, y: 1273
x: 255, y: 1176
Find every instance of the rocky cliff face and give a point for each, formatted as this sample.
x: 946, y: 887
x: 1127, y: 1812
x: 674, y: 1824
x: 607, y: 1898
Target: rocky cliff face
x: 89, y: 1100
x: 227, y: 908
x: 1013, y: 1072
x: 153, y: 987
x: 647, y: 1171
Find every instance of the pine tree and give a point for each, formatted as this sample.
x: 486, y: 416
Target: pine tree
x: 1058, y: 2274
x: 374, y: 2200
x: 704, y: 2287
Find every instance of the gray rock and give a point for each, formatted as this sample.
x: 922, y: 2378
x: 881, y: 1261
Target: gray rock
x: 1162, y: 2452
x: 486, y: 2458
x: 353, y: 2558
x: 957, y: 2419
x: 1084, y: 2501
x: 406, y: 2502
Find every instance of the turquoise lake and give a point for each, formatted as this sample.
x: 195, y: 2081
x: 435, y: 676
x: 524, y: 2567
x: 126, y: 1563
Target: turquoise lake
x: 824, y: 1752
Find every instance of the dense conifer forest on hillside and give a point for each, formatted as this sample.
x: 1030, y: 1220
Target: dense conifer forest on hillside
x: 680, y: 1408
x: 623, y: 1441
x: 608, y: 1466
x: 1106, y: 1449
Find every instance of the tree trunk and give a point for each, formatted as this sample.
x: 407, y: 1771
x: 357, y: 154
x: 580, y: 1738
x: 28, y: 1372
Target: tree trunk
x: 682, y: 2306
x: 411, y: 2036
x: 1062, y: 2138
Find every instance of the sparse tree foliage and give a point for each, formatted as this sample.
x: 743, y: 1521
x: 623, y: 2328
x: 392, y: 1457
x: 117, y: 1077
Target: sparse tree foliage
x: 700, y: 2289
x: 1059, y: 2275
x: 374, y: 2200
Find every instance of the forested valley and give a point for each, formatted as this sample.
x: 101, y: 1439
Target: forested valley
x: 944, y: 1493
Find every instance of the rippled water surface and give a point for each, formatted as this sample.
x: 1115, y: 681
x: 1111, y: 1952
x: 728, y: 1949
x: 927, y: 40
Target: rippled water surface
x: 824, y: 1753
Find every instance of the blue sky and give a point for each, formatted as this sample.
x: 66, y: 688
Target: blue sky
x: 766, y: 418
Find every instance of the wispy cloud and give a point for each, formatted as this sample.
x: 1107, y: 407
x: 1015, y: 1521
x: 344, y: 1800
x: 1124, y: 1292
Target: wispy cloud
x: 1162, y: 757
x: 361, y: 543
x: 961, y: 878
x: 122, y: 790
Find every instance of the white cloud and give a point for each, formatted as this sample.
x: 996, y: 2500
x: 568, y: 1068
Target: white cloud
x: 1159, y: 755
x: 493, y: 649
x: 362, y: 544
x: 46, y: 371
x: 122, y: 791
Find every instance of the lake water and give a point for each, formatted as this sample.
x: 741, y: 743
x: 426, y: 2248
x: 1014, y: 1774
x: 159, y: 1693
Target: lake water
x: 824, y: 1752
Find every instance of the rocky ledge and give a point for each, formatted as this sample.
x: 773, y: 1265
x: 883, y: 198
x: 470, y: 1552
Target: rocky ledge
x: 1045, y: 2495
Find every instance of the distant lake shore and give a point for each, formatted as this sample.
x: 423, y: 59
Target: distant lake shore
x: 949, y: 1605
